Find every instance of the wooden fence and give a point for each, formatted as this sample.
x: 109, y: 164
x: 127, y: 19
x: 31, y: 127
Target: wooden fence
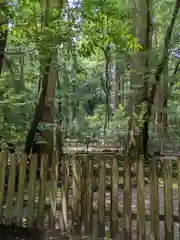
x: 93, y: 198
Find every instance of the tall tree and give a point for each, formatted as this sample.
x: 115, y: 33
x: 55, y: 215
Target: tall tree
x: 141, y: 96
x: 3, y: 30
x: 45, y: 110
x: 140, y: 73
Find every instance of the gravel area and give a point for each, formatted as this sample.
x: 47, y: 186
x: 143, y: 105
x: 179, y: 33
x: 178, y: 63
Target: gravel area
x: 134, y: 209
x: 147, y: 210
x: 161, y: 209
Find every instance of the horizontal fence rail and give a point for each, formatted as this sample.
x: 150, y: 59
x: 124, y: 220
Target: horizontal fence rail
x: 102, y: 195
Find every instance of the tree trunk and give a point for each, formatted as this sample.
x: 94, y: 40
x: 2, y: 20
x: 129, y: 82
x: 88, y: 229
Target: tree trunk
x: 163, y: 103
x: 38, y: 111
x: 132, y: 137
x: 49, y: 111
x: 140, y: 73
x: 121, y: 87
x: 3, y: 33
x: 107, y: 90
x: 158, y: 105
x: 115, y: 84
x: 45, y: 110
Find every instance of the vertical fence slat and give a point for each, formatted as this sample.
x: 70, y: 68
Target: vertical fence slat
x: 154, y: 200
x: 3, y: 163
x: 114, y: 198
x: 168, y: 200
x: 42, y: 193
x: 178, y: 162
x: 101, y: 198
x: 89, y: 197
x: 11, y: 185
x: 140, y: 199
x: 64, y: 193
x: 53, y: 190
x: 31, y: 190
x: 21, y: 185
x: 83, y: 188
x: 127, y: 198
x: 76, y: 198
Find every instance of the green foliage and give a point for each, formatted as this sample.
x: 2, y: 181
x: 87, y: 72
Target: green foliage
x: 92, y: 127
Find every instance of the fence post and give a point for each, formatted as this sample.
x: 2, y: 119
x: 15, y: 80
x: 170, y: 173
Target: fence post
x: 21, y: 183
x: 168, y: 201
x: 178, y: 162
x: 140, y: 199
x: 89, y: 196
x: 76, y: 198
x: 127, y: 198
x: 31, y: 190
x: 3, y: 164
x: 154, y: 199
x: 64, y: 192
x: 42, y: 192
x: 84, y: 187
x: 53, y: 191
x: 101, y: 199
x: 11, y: 185
x: 114, y: 197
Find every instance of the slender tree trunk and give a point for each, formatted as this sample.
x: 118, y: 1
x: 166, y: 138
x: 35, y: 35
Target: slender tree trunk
x: 161, y: 104
x: 158, y: 109
x: 164, y: 106
x: 115, y: 84
x: 107, y: 90
x: 3, y: 33
x: 121, y: 88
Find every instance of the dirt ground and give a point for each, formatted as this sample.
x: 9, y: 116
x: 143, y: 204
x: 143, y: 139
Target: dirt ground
x: 134, y: 208
x: 134, y: 204
x: 147, y: 209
